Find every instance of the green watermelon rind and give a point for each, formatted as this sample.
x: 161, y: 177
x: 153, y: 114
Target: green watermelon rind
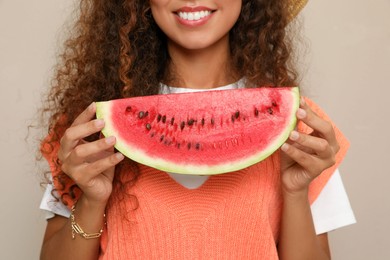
x: 103, y: 111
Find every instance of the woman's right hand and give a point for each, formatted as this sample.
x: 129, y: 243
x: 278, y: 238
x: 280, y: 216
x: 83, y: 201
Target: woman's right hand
x: 91, y: 165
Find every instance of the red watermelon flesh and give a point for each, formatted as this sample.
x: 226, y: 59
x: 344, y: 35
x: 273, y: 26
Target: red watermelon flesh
x: 202, y: 133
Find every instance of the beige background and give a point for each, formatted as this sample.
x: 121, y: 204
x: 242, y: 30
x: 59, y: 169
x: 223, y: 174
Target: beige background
x: 346, y: 70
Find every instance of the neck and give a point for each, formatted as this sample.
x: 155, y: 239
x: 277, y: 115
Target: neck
x: 201, y: 68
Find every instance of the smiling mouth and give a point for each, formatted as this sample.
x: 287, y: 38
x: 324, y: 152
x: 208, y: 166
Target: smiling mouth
x: 194, y: 16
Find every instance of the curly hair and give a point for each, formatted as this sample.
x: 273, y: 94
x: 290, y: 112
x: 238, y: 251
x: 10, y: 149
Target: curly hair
x: 116, y: 50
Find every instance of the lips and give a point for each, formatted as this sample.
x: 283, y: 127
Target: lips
x: 192, y: 16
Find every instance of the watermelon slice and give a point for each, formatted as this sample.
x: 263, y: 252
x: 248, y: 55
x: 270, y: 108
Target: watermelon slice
x: 202, y: 133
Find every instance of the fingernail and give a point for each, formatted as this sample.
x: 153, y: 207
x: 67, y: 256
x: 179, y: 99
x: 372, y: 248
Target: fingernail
x: 99, y: 122
x: 294, y: 135
x: 301, y: 113
x: 110, y: 140
x: 285, y: 147
x: 119, y: 156
x: 302, y: 102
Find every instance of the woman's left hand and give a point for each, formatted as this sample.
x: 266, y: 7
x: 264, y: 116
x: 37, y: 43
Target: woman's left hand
x: 305, y: 156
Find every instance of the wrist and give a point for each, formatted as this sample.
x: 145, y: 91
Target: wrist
x: 87, y: 218
x: 77, y: 229
x: 89, y: 212
x: 296, y: 195
x: 91, y: 204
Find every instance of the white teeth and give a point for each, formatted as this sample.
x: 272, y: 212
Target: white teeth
x: 194, y: 16
x: 197, y: 16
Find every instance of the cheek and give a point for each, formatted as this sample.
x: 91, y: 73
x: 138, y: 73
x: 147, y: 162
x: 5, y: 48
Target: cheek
x: 231, y: 9
x: 235, y: 7
x: 159, y: 5
x: 159, y: 10
x: 154, y: 3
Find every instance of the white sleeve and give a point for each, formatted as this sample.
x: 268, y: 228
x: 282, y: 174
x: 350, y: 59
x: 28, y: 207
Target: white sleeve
x: 332, y: 210
x: 51, y: 205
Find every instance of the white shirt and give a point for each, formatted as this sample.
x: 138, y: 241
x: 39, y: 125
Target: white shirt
x: 331, y: 210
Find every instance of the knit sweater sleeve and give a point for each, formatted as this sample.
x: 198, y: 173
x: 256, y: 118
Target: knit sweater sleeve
x: 319, y: 183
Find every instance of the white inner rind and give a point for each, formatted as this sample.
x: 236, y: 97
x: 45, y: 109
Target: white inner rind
x: 103, y: 111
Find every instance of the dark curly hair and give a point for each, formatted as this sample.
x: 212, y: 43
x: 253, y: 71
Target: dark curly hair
x: 116, y: 50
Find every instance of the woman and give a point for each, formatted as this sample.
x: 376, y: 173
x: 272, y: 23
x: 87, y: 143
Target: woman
x: 122, y: 210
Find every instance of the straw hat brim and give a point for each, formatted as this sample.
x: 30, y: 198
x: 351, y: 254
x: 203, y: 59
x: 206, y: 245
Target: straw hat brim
x: 295, y: 7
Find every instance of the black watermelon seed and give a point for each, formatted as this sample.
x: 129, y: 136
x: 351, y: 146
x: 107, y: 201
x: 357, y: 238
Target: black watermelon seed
x: 172, y: 120
x: 189, y: 146
x: 274, y: 104
x: 161, y: 138
x: 141, y: 114
x: 191, y: 122
x: 237, y: 114
x: 158, y: 118
x: 256, y: 112
x: 197, y: 146
x: 128, y: 109
x: 233, y: 118
x: 178, y: 145
x: 212, y: 121
x: 202, y: 121
x: 164, y: 119
x: 270, y: 111
x: 182, y: 124
x: 148, y: 126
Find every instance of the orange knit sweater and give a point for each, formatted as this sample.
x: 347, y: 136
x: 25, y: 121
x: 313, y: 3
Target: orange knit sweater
x: 231, y: 216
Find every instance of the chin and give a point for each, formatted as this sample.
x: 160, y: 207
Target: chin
x: 197, y: 43
x: 195, y: 46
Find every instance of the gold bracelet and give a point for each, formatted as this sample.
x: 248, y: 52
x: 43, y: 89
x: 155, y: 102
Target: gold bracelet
x: 76, y: 229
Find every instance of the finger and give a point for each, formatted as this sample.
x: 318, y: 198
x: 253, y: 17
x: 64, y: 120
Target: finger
x: 312, y: 164
x: 87, y: 115
x: 299, y: 146
x: 74, y: 134
x: 102, y: 165
x: 84, y: 173
x: 311, y: 144
x: 90, y: 152
x: 320, y: 126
